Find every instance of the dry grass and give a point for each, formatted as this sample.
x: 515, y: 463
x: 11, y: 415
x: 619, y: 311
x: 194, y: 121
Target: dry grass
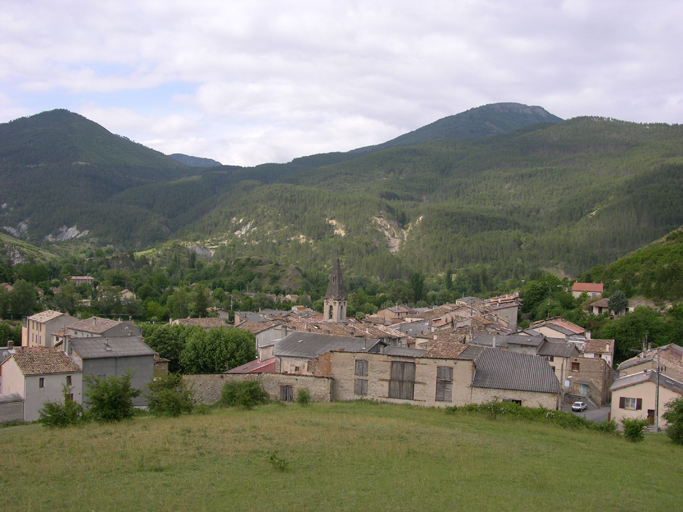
x: 339, y: 456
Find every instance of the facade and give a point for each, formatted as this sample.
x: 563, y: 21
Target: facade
x: 38, y: 374
x: 670, y: 362
x: 103, y: 357
x: 589, y: 378
x: 335, y: 299
x: 600, y: 349
x: 634, y: 396
x: 37, y: 329
x: 79, y: 280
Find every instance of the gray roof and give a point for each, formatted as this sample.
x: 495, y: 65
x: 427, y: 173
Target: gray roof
x: 560, y: 329
x: 499, y: 369
x: 414, y: 328
x: 11, y: 397
x: 558, y: 349
x: 636, y: 361
x: 639, y: 378
x: 250, y: 316
x: 486, y: 340
x: 308, y: 345
x: 115, y: 346
x: 471, y: 353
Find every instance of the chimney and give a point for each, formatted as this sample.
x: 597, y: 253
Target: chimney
x: 365, y: 341
x: 67, y: 344
x: 79, y: 316
x: 94, y: 320
x: 494, y: 342
x: 649, y: 346
x: 130, y: 318
x: 106, y: 341
x: 10, y: 344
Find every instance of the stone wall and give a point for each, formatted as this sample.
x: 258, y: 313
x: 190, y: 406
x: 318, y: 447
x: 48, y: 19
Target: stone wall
x: 528, y: 398
x: 207, y: 388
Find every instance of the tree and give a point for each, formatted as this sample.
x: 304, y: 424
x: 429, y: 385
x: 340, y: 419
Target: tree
x: 417, y: 282
x: 618, y: 302
x: 22, y: 299
x: 154, y: 312
x: 170, y: 395
x: 110, y: 398
x: 61, y: 415
x: 5, y: 302
x: 674, y: 419
x: 218, y: 350
x: 169, y: 341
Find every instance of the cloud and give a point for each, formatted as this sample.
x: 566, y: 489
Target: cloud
x: 251, y: 81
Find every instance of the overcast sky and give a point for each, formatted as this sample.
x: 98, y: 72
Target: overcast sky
x: 248, y: 82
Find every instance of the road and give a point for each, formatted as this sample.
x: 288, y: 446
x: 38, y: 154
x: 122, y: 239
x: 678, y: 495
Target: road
x: 598, y: 415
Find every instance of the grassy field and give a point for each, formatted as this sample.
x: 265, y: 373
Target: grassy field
x: 338, y: 456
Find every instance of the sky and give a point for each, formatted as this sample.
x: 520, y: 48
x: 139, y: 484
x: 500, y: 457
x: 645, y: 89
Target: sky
x: 249, y: 82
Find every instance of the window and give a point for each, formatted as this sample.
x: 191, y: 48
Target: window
x: 575, y: 367
x: 444, y: 384
x: 286, y: 393
x: 360, y: 387
x: 362, y: 367
x: 402, y: 383
x: 550, y: 359
x: 634, y: 404
x: 512, y: 401
x: 68, y: 380
x: 330, y: 316
x: 41, y: 382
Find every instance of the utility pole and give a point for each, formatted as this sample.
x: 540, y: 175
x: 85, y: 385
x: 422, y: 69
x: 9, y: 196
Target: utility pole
x: 657, y: 395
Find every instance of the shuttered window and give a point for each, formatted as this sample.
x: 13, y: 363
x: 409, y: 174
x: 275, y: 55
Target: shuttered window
x: 361, y: 367
x: 402, y: 383
x: 634, y: 404
x: 360, y: 387
x: 286, y: 394
x: 444, y: 384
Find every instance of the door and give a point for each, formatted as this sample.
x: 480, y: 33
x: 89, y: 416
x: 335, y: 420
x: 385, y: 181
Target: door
x: 651, y: 416
x: 584, y: 389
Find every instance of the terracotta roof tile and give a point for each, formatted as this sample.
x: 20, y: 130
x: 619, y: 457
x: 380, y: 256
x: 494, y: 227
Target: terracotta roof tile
x: 43, y: 361
x: 45, y: 316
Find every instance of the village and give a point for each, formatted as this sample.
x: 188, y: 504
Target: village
x: 468, y: 352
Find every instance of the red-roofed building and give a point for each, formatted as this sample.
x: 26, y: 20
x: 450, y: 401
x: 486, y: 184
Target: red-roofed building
x: 258, y: 366
x: 592, y: 289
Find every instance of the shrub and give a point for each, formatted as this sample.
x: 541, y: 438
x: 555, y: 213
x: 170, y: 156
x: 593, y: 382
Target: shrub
x: 674, y: 420
x: 217, y: 350
x: 303, y: 397
x: 633, y: 429
x: 61, y: 415
x: 110, y: 398
x: 247, y: 394
x: 170, y: 395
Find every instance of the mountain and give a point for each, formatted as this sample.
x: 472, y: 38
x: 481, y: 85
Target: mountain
x: 58, y: 170
x: 472, y: 124
x: 194, y: 161
x: 559, y: 195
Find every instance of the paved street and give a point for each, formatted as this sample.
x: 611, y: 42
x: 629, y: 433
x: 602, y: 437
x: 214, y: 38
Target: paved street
x: 597, y: 415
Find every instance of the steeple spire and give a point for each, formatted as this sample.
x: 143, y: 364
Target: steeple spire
x: 335, y: 298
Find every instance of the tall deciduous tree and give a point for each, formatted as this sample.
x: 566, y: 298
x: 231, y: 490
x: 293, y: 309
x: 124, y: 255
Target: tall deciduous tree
x: 218, y: 350
x: 22, y: 299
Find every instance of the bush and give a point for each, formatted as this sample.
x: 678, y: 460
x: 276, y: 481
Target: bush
x: 674, y: 420
x: 303, y: 397
x: 110, y: 398
x: 170, y: 396
x: 247, y: 394
x: 633, y: 428
x: 61, y: 415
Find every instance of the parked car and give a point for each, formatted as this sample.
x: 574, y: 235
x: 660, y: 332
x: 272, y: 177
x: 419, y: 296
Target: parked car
x: 579, y: 406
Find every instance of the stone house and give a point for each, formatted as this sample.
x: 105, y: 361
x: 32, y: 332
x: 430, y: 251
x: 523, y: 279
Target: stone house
x: 104, y: 357
x: 37, y: 375
x: 94, y: 327
x: 670, y: 362
x: 559, y: 356
x: 37, y: 329
x: 600, y: 349
x: 633, y: 396
x: 265, y: 334
x: 589, y: 378
x: 79, y: 280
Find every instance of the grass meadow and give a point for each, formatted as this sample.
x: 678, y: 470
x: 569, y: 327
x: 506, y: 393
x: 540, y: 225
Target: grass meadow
x: 337, y: 456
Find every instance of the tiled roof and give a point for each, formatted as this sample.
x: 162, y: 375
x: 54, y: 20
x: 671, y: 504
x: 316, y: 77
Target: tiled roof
x: 500, y: 369
x: 257, y: 327
x: 671, y: 356
x: 43, y: 361
x: 402, y: 351
x: 599, y: 347
x: 267, y: 366
x: 445, y: 350
x: 45, y: 316
x: 471, y: 353
x: 602, y: 303
x: 588, y: 287
x: 250, y: 316
x: 119, y: 346
x: 94, y: 325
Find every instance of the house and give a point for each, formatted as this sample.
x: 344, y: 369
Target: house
x: 437, y: 379
x: 601, y: 349
x: 589, y: 379
x: 248, y: 316
x: 126, y: 294
x: 599, y: 307
x: 592, y: 289
x: 634, y: 396
x: 103, y: 357
x: 99, y: 327
x: 560, y: 328
x: 206, y: 323
x: 37, y: 329
x: 520, y: 343
x: 79, y: 280
x: 265, y: 334
x: 670, y: 362
x: 558, y: 354
x: 7, y: 286
x: 37, y: 375
x: 602, y: 306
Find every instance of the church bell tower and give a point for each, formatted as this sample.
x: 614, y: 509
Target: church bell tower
x: 335, y: 298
